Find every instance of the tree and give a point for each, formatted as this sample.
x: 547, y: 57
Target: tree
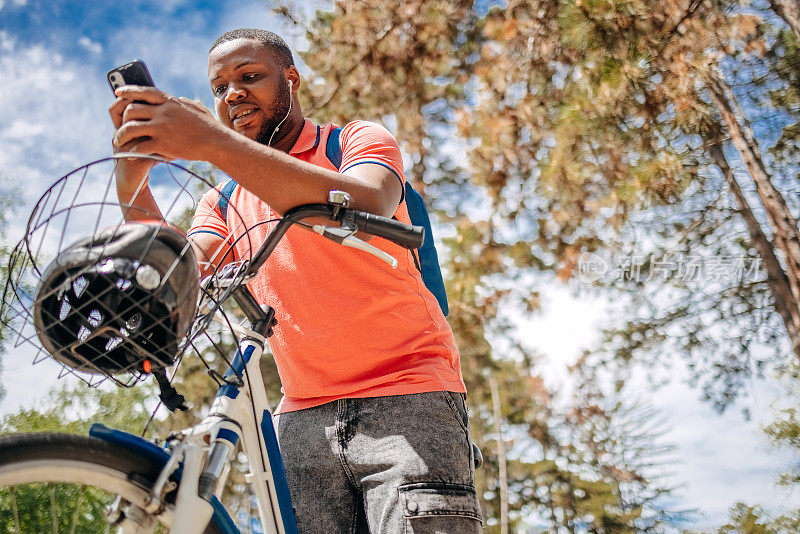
x: 588, y: 124
x: 624, y: 159
x: 506, y: 81
x: 746, y: 520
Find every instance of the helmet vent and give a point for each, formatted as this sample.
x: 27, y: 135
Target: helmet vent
x: 123, y: 284
x: 95, y: 318
x: 65, y: 308
x: 79, y: 286
x: 83, y: 334
x: 135, y: 322
x: 113, y: 343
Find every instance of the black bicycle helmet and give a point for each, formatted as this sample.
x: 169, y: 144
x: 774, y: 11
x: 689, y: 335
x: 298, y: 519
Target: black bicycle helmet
x: 119, y: 301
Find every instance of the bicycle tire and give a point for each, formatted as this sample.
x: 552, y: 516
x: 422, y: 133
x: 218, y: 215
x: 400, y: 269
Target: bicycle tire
x: 87, y: 462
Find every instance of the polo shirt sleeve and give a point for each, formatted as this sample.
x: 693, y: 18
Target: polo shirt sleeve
x: 208, y: 217
x: 365, y: 142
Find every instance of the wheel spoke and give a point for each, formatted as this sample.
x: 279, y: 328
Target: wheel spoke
x: 77, y: 511
x: 53, y: 514
x: 14, y: 509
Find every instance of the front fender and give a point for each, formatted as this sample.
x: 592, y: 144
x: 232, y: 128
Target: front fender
x: 159, y: 456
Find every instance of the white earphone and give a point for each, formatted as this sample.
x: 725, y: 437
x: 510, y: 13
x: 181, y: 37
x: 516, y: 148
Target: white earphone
x: 278, y: 127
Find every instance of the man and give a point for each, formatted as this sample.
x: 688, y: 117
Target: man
x: 373, y: 423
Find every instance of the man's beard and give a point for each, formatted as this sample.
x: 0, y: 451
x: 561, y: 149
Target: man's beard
x: 277, y: 114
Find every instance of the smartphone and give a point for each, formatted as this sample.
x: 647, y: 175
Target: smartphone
x: 133, y: 73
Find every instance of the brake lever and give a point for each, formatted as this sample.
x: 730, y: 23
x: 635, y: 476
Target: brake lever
x: 347, y: 238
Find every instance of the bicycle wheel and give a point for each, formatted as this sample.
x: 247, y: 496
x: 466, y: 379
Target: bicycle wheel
x: 62, y: 483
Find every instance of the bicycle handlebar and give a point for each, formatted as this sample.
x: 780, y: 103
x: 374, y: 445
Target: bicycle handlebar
x: 402, y: 234
x: 395, y: 231
x: 405, y: 235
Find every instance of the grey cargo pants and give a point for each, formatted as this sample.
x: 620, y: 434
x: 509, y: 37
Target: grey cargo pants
x: 397, y: 464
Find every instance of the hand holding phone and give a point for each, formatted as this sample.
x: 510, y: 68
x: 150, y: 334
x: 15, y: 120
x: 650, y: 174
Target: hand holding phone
x: 133, y: 73
x: 141, y: 113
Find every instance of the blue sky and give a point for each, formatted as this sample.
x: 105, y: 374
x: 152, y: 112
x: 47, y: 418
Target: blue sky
x: 53, y: 117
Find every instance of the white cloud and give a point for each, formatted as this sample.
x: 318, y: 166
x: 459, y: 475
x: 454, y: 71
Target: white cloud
x: 17, y: 3
x: 723, y: 459
x: 184, y: 65
x: 52, y: 118
x: 6, y: 43
x: 92, y: 46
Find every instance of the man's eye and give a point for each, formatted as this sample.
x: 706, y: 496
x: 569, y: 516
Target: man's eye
x: 218, y: 90
x: 248, y: 77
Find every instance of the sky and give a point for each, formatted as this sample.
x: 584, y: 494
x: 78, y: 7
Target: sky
x: 53, y: 117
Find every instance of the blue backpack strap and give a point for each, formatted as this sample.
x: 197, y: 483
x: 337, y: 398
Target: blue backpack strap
x: 333, y: 148
x: 225, y: 197
x: 428, y: 258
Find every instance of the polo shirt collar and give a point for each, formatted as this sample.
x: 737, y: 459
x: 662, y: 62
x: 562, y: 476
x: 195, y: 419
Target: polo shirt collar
x: 308, y: 139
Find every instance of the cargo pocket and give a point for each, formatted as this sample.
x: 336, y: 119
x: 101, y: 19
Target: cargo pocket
x: 430, y: 507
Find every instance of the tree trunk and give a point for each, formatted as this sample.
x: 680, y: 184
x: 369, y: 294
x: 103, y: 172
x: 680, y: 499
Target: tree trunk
x: 789, y: 11
x: 777, y: 281
x: 570, y: 516
x: 501, y: 455
x: 786, y: 235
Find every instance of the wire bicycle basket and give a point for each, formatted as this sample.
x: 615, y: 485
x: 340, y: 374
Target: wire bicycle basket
x: 105, y: 298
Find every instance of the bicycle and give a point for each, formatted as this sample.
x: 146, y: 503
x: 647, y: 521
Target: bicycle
x: 123, y: 480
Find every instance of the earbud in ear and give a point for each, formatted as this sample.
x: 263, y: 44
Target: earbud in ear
x: 290, y: 86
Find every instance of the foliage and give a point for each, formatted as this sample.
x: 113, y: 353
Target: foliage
x: 69, y: 409
x: 73, y: 408
x: 8, y: 201
x: 22, y: 507
x: 546, y: 130
x: 587, y: 127
x: 746, y: 519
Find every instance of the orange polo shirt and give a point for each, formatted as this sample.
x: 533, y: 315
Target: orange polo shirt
x: 348, y: 324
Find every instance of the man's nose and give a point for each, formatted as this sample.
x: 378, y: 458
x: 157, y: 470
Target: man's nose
x: 234, y: 93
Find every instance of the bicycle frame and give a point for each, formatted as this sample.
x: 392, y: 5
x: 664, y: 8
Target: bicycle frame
x: 240, y: 412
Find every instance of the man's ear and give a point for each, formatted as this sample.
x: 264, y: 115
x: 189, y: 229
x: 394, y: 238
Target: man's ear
x: 292, y: 75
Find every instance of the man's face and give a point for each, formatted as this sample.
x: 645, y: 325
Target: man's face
x: 251, y: 94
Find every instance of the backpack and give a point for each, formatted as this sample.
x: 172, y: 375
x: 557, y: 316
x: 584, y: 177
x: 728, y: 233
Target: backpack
x: 428, y: 263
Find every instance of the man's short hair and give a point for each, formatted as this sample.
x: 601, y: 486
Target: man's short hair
x: 270, y: 40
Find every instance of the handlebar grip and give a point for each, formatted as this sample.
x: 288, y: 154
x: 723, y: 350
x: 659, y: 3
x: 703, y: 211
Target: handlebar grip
x: 395, y: 231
